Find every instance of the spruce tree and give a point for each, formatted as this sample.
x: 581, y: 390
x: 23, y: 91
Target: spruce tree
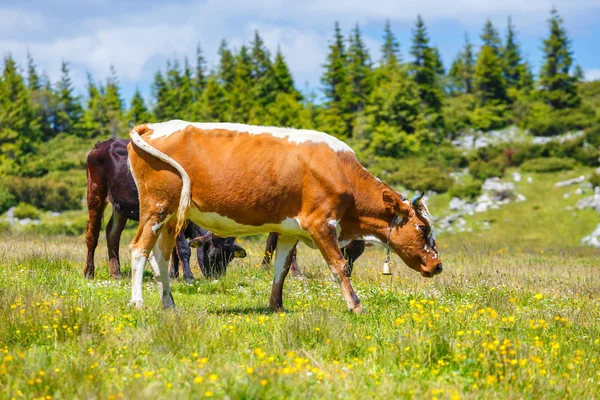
x: 489, y: 83
x: 359, y: 72
x: 213, y: 105
x: 226, y: 66
x: 69, y: 110
x: 513, y: 65
x: 283, y: 76
x: 558, y: 86
x: 490, y: 37
x: 200, y: 76
x: 96, y: 118
x: 462, y: 69
x: 424, y: 71
x: 138, y: 112
x: 336, y: 88
x: 394, y: 114
x: 241, y: 99
x: 33, y: 79
x: 390, y: 50
x: 263, y: 76
x: 19, y: 130
x: 160, y: 97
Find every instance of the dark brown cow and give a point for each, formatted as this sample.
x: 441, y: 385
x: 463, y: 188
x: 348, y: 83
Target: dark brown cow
x: 351, y: 252
x: 304, y: 185
x: 109, y: 179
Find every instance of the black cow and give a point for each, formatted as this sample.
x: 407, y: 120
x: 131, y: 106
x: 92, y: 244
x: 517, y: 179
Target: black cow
x: 351, y: 252
x: 109, y: 180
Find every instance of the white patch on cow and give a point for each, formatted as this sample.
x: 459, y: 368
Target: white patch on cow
x: 372, y: 239
x: 156, y: 227
x: 138, y: 263
x: 336, y: 224
x: 224, y: 226
x: 298, y: 136
x: 284, y: 246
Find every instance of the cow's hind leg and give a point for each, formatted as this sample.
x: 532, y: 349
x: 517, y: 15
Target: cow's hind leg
x: 184, y: 253
x: 141, y: 246
x: 96, y: 201
x: 114, y: 228
x: 283, y: 258
x: 161, y: 255
x: 325, y: 237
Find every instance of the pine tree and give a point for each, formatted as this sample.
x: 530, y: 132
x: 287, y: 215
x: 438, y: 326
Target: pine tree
x: 578, y: 73
x: 138, y: 112
x: 95, y: 120
x: 265, y: 84
x: 200, y: 76
x: 490, y: 37
x: 488, y: 80
x: 19, y: 130
x: 33, y: 79
x: 160, y: 97
x: 69, y: 110
x: 438, y: 63
x: 48, y: 107
x: 424, y: 72
x: 359, y: 75
x: 213, y: 105
x: 336, y: 87
x: 186, y: 92
x: 390, y: 50
x: 558, y: 86
x: 462, y: 68
x: 394, y: 114
x: 283, y: 76
x: 513, y: 66
x: 241, y: 99
x: 226, y: 66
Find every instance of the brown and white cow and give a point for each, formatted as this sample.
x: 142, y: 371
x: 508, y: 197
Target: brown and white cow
x: 304, y: 185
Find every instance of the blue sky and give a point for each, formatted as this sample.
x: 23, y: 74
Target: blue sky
x: 137, y: 36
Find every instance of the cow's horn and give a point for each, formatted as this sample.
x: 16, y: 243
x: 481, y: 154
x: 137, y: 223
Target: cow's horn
x: 418, y: 197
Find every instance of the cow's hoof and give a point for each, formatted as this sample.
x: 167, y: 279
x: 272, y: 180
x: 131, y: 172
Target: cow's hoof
x: 189, y: 279
x: 168, y: 303
x: 136, y: 303
x: 357, y: 309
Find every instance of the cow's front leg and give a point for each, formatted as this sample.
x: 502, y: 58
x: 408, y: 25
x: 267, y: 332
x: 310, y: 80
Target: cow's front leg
x: 184, y: 253
x: 285, y: 249
x: 325, y: 237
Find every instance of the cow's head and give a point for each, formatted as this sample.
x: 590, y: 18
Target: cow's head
x: 215, y: 253
x: 411, y: 235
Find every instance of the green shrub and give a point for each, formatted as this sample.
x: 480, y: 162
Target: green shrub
x: 549, y: 164
x: 542, y: 120
x: 481, y: 169
x: 24, y: 210
x: 4, y: 227
x: 419, y: 177
x: 488, y: 117
x: 595, y: 179
x: 7, y: 199
x: 469, y: 189
x: 46, y: 193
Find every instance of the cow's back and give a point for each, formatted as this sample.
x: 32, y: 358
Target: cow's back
x: 256, y: 179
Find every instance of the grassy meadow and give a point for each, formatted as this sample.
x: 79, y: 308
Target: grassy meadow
x: 514, y: 315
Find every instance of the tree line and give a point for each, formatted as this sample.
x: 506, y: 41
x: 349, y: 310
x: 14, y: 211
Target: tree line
x: 394, y: 106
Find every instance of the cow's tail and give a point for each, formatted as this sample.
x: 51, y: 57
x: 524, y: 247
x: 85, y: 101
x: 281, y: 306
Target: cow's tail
x: 186, y: 190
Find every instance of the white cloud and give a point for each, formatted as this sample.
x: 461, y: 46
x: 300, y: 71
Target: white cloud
x: 136, y: 39
x: 591, y: 74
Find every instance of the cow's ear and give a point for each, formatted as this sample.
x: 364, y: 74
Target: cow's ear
x: 393, y: 203
x: 238, y: 252
x: 200, y: 240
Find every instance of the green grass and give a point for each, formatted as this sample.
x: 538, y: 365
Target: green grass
x: 514, y: 315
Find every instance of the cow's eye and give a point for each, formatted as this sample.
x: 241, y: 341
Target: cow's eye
x: 423, y: 228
